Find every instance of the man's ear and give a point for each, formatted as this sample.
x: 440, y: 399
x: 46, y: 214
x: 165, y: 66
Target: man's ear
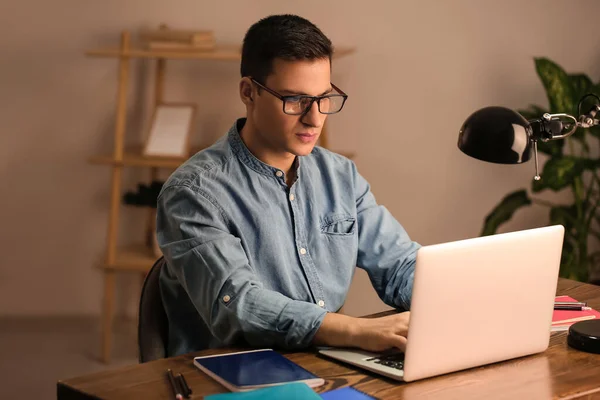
x: 247, y: 91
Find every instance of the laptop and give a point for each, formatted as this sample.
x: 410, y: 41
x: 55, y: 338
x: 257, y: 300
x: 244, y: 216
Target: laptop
x: 474, y: 302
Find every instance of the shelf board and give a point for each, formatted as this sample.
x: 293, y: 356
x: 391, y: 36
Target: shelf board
x: 347, y: 155
x: 132, y: 258
x: 221, y: 52
x: 133, y: 157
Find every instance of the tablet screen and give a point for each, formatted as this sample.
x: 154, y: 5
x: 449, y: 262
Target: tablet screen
x: 253, y: 368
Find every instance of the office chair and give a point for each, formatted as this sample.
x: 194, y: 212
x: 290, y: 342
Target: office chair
x: 153, y: 324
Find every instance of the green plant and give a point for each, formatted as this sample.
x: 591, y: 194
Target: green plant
x: 570, y: 166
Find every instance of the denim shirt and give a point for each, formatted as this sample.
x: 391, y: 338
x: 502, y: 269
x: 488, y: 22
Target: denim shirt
x: 252, y: 260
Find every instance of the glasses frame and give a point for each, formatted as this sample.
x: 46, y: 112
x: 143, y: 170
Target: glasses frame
x: 318, y: 99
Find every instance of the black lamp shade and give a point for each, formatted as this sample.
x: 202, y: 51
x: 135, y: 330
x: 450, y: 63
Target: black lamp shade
x: 496, y: 134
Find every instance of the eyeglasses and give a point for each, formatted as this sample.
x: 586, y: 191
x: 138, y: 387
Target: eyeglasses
x: 299, y: 105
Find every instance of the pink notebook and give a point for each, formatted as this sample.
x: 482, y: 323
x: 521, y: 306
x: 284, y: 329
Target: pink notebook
x: 563, y: 319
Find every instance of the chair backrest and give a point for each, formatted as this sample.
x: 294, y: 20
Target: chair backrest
x: 153, y: 324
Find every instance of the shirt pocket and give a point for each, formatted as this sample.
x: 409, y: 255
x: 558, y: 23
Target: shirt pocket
x: 338, y: 224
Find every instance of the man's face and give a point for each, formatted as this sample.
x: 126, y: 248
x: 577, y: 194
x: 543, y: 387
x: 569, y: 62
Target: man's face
x: 280, y: 133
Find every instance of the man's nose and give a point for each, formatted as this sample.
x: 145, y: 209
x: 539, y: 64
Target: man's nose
x: 312, y: 116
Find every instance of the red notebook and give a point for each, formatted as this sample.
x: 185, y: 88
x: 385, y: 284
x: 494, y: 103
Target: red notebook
x: 563, y: 319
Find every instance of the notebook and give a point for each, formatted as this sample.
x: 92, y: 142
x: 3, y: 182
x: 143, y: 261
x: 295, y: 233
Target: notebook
x: 247, y: 370
x: 563, y: 319
x: 289, y: 391
x: 346, y: 393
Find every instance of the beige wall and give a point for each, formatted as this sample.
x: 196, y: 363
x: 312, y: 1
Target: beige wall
x: 420, y: 69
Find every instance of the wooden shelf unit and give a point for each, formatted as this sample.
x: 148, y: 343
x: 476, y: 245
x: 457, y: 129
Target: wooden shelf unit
x: 140, y: 258
x: 131, y: 258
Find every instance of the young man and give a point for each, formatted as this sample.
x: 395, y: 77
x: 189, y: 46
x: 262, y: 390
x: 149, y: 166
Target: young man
x: 262, y: 231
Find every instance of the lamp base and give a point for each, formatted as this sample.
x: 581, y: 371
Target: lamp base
x: 585, y: 336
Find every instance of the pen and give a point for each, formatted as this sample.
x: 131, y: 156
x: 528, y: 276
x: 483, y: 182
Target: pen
x: 174, y: 386
x: 570, y: 303
x: 571, y: 307
x: 186, y: 389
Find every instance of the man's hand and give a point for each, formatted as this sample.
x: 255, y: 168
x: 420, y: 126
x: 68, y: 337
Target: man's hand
x: 371, y: 334
x: 379, y: 334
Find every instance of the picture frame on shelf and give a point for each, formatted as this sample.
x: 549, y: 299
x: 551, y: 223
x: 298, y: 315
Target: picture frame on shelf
x: 170, y: 130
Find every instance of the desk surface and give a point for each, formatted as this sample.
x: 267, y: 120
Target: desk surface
x: 559, y: 372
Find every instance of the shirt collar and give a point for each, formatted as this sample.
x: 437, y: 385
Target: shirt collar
x: 245, y: 156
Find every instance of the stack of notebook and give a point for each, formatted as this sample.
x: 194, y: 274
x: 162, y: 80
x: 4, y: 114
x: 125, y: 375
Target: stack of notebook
x: 293, y: 391
x: 563, y: 319
x: 266, y: 374
x: 178, y: 40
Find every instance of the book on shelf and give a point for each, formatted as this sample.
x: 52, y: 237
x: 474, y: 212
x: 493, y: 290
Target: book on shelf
x: 563, y: 319
x: 177, y: 46
x: 178, y: 35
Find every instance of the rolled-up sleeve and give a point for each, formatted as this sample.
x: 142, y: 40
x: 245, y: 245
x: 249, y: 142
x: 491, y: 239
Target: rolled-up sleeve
x: 385, y: 251
x: 211, y: 265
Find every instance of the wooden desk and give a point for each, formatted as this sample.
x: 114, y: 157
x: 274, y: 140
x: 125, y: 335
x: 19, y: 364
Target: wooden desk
x: 559, y: 372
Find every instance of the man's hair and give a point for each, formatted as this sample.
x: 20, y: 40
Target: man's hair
x: 287, y: 37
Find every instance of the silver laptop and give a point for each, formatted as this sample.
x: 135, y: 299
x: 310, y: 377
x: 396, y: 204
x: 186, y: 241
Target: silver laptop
x: 474, y: 302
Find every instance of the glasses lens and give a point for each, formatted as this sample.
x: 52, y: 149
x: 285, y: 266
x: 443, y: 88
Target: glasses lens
x: 305, y: 102
x: 331, y: 104
x: 327, y: 105
x: 294, y: 106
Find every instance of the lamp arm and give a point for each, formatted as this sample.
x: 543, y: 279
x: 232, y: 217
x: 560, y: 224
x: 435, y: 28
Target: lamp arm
x: 572, y: 124
x: 588, y: 120
x: 550, y: 127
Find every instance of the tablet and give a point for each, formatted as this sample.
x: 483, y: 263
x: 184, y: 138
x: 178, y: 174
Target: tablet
x: 247, y: 370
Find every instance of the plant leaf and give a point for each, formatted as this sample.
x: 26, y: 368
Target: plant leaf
x: 557, y: 85
x: 568, y: 260
x: 532, y: 112
x: 580, y: 85
x: 565, y: 216
x: 594, y: 262
x: 594, y: 131
x: 595, y: 89
x: 504, y: 211
x: 553, y: 148
x: 573, y: 265
x: 590, y: 163
x: 558, y: 173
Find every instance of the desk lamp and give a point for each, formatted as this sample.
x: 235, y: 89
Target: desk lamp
x: 503, y: 136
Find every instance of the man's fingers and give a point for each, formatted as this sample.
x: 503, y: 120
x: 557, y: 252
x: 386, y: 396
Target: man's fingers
x: 405, y: 316
x: 399, y: 342
x: 401, y: 328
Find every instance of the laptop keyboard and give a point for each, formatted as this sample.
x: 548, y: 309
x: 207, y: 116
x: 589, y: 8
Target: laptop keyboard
x: 395, y: 360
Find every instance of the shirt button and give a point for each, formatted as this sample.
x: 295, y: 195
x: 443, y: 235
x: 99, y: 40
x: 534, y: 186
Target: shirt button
x: 321, y: 303
x: 292, y: 197
x: 279, y: 174
x: 226, y: 298
x: 303, y: 251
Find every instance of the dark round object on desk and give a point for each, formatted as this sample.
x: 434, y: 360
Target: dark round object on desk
x: 585, y: 336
